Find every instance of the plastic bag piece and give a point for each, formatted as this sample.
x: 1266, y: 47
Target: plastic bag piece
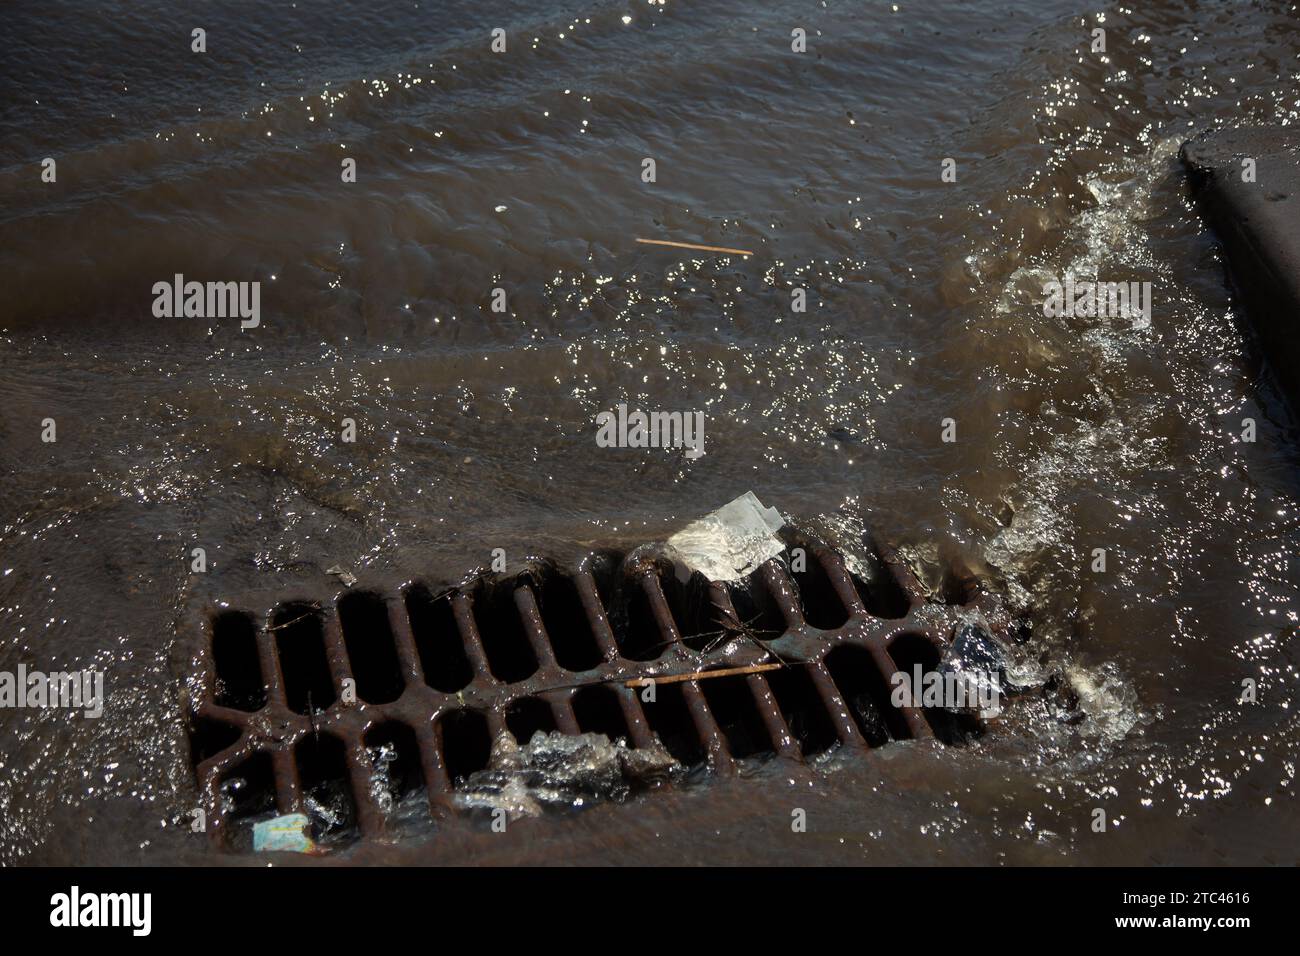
x: 730, y: 543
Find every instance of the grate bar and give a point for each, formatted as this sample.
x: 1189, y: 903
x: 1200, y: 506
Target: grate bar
x: 399, y: 625
x: 838, y: 711
x: 562, y: 708
x: 589, y: 594
x: 777, y: 729
x: 526, y: 603
x: 462, y: 606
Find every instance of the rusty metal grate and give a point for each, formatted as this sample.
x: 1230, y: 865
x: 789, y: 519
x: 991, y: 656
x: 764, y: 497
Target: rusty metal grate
x: 438, y: 675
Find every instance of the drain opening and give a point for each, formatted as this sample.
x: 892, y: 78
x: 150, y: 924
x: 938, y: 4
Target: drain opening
x: 882, y: 595
x: 669, y: 717
x: 598, y: 711
x: 368, y: 636
x: 635, y: 630
x: 908, y: 650
x: 528, y: 715
x: 234, y: 659
x: 818, y: 599
x: 248, y: 789
x: 466, y: 743
x: 394, y: 760
x: 958, y: 585
x: 698, y: 621
x: 300, y: 642
x: 802, y: 707
x: 737, y: 716
x: 566, y: 623
x: 757, y: 609
x: 501, y: 630
x: 866, y: 694
x: 437, y: 641
x: 326, y: 783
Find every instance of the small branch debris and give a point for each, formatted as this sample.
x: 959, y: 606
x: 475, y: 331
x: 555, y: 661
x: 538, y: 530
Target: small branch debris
x: 701, y: 675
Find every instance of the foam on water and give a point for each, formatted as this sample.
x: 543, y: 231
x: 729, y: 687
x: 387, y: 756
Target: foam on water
x: 561, y: 771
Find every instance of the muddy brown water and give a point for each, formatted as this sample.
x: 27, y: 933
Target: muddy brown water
x: 476, y: 429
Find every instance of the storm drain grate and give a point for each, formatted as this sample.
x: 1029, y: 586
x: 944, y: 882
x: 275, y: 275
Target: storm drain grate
x: 296, y: 702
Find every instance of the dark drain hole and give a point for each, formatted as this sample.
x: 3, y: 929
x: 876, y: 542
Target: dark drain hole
x: 866, y: 694
x: 208, y: 737
x: 526, y: 716
x: 248, y: 789
x: 882, y: 596
x: 801, y: 706
x: 300, y: 641
x: 736, y: 714
x: 908, y: 650
x: 757, y: 609
x: 598, y: 711
x: 501, y: 631
x: 958, y: 584
x: 566, y: 623
x: 818, y: 599
x: 466, y: 743
x: 698, y: 622
x: 669, y: 717
x: 395, y: 758
x: 234, y: 658
x: 437, y: 641
x: 326, y: 784
x: 635, y: 630
x: 368, y: 637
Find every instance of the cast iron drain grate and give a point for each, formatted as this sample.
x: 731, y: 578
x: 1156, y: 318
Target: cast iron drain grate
x: 295, y: 704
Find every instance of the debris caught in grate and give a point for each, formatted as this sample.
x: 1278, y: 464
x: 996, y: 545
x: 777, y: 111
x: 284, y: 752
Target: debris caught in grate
x: 343, y: 707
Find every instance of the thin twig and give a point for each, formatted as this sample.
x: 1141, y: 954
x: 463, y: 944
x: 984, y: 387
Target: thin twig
x: 691, y: 245
x: 701, y: 675
x: 743, y: 629
x: 315, y: 606
x: 315, y: 728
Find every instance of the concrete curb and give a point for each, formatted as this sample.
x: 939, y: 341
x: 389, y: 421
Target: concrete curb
x: 1258, y: 223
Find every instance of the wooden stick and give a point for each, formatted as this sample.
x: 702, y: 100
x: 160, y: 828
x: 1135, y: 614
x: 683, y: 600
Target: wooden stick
x: 701, y: 675
x: 691, y: 245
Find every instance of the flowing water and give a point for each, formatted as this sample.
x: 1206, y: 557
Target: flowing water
x: 475, y: 429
